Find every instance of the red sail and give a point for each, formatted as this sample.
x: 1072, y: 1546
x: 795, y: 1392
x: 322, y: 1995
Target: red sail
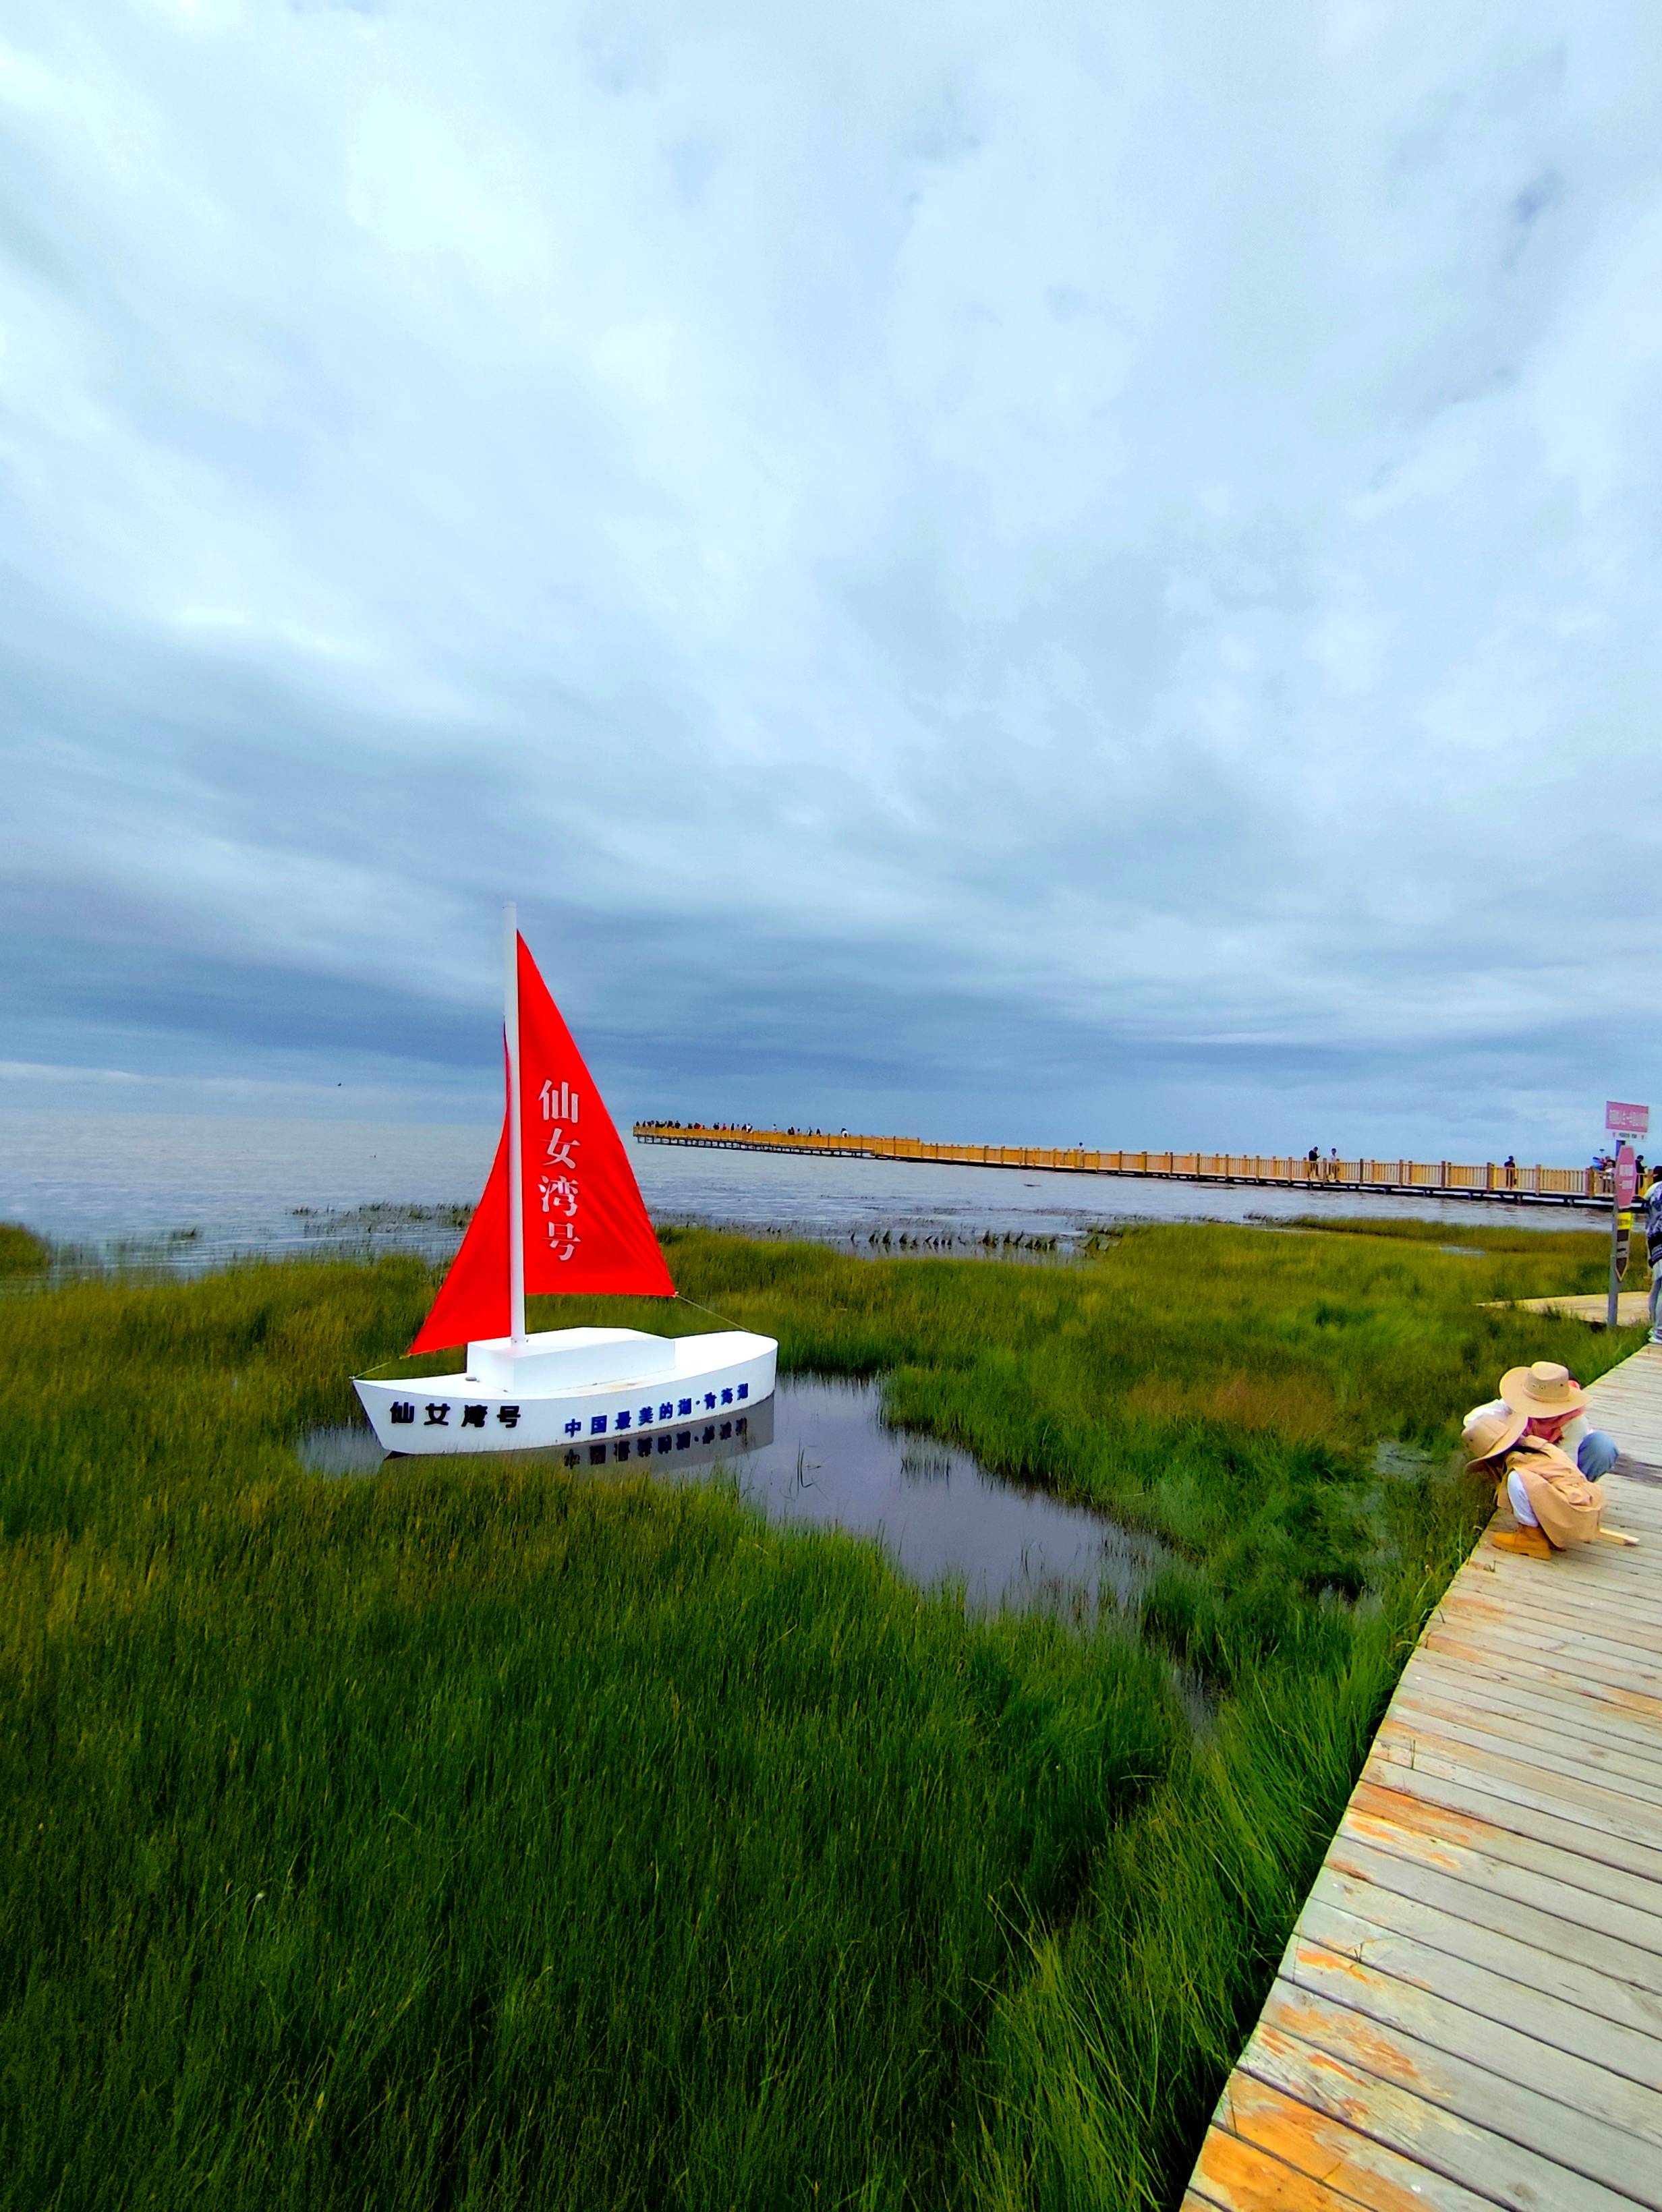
x: 473, y: 1299
x: 586, y: 1225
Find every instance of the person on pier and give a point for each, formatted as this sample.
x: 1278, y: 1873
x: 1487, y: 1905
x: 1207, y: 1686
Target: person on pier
x: 1653, y: 1249
x: 1554, y: 1506
x: 1554, y: 1410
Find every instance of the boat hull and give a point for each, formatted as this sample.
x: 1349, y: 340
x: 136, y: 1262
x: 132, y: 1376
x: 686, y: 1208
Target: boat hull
x: 582, y: 1392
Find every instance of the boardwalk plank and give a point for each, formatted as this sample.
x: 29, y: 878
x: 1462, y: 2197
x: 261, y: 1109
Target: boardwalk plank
x: 1388, y: 1913
x: 1457, y: 1649
x: 1573, y: 1715
x: 1238, y: 2176
x: 1634, y: 1481
x: 1620, y: 1578
x: 1641, y: 1665
x: 1606, y: 1744
x: 1606, y: 1599
x: 1595, y: 1808
x: 1615, y: 1602
x: 1598, y: 2149
x: 1505, y: 1598
x: 1606, y: 1796
x: 1632, y: 1307
x: 1360, y: 2170
x: 1244, y: 2178
x: 1541, y: 1590
x: 1639, y: 1441
x: 1631, y: 1767
x: 1531, y: 1590
x: 1450, y: 1808
x: 1523, y: 1687
x: 1443, y: 2021
x: 1610, y: 1937
x: 1402, y: 1824
x: 1622, y: 1689
x: 1512, y: 1991
x: 1421, y: 2129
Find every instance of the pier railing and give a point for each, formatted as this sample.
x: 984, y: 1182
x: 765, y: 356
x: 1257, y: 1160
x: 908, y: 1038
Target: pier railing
x: 1491, y: 1179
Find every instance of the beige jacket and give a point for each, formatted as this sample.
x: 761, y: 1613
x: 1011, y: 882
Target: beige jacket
x: 1563, y: 1501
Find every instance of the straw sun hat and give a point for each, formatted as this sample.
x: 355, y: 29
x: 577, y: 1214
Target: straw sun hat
x: 1541, y: 1390
x: 1488, y: 1435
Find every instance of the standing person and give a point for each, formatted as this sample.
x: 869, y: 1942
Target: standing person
x: 1653, y: 1249
x: 1512, y: 1172
x: 1312, y: 1162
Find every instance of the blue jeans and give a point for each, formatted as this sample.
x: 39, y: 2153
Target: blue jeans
x: 1596, y: 1455
x: 1656, y: 1295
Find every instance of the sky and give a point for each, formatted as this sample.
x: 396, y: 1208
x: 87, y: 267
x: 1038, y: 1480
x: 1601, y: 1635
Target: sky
x: 1025, y: 571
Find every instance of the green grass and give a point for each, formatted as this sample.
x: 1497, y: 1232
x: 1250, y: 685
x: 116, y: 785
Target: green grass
x: 22, y: 1252
x: 1514, y: 1236
x: 478, y: 1835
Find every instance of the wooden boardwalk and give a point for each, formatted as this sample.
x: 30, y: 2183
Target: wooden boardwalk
x: 1632, y: 1308
x: 1489, y: 1179
x: 1469, y: 2012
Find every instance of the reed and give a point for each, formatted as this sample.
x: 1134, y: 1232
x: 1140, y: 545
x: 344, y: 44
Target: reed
x: 480, y: 1836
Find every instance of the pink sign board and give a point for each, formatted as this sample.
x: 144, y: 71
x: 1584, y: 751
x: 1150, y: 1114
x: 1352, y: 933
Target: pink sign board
x: 1627, y: 1175
x: 1627, y: 1120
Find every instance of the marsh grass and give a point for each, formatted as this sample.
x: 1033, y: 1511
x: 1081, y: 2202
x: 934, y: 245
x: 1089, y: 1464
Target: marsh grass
x: 22, y: 1252
x: 481, y: 1837
x: 1591, y: 1243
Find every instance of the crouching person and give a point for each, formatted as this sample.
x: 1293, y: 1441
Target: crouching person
x: 1553, y: 1409
x: 1555, y: 1505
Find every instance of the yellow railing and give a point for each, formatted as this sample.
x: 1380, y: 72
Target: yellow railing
x: 1452, y: 1178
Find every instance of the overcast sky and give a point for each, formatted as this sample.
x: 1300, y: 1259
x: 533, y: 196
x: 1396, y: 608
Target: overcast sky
x: 1030, y: 570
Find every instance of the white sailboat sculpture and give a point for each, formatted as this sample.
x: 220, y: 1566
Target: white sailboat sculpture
x: 563, y: 1212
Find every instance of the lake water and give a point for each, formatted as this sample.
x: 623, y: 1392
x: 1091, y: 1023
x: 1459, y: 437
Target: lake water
x: 821, y: 1451
x: 193, y: 1189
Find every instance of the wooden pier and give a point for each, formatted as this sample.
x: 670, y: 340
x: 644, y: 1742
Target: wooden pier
x: 1491, y: 1179
x: 1470, y: 2011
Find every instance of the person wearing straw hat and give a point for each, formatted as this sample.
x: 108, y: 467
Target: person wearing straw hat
x: 1555, y: 1410
x: 1555, y: 1505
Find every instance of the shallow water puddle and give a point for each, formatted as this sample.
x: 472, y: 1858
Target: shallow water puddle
x: 821, y: 1451
x: 940, y: 1516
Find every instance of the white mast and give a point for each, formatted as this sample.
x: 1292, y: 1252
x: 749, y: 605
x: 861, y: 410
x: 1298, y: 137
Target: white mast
x: 515, y: 1194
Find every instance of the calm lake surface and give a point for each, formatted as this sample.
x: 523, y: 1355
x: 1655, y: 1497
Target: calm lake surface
x: 193, y: 1189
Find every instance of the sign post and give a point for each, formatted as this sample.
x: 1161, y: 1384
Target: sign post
x: 1622, y: 1120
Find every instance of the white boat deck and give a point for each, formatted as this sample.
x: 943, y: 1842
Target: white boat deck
x: 1470, y: 2011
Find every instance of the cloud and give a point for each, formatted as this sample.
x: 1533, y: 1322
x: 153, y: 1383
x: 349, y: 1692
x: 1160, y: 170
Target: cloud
x: 990, y: 568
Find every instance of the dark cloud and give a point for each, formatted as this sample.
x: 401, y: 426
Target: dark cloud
x: 1007, y: 569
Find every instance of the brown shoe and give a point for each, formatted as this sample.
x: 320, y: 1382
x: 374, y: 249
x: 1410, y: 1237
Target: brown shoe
x: 1529, y: 1542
